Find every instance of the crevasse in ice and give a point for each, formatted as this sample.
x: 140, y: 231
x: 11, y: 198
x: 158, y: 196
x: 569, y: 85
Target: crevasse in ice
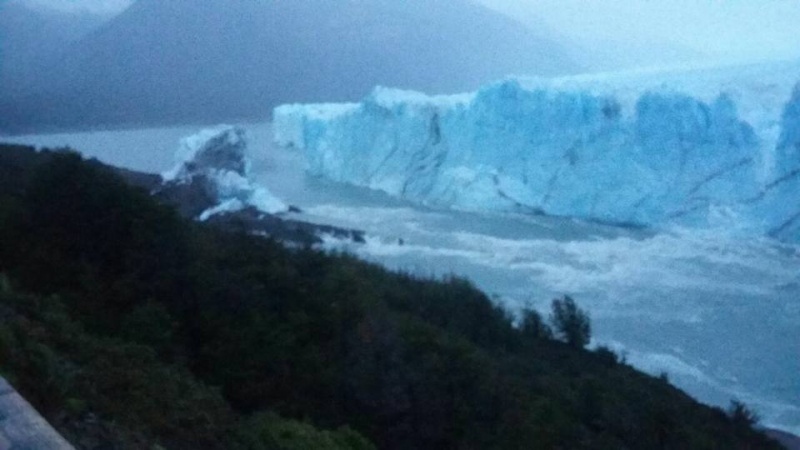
x: 703, y: 148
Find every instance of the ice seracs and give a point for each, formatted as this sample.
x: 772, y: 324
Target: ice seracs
x: 712, y: 148
x: 214, y: 163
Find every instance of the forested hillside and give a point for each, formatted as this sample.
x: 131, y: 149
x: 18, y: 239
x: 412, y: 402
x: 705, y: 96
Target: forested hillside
x: 129, y: 327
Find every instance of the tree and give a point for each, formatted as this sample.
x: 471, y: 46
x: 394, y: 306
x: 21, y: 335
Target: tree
x: 532, y: 325
x: 570, y: 323
x: 741, y: 415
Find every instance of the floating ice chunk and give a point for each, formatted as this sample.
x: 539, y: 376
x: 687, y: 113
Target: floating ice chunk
x: 226, y: 206
x: 219, y: 148
x: 215, y: 160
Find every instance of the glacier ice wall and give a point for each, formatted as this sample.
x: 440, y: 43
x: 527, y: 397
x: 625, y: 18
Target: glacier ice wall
x: 702, y: 149
x: 214, y: 161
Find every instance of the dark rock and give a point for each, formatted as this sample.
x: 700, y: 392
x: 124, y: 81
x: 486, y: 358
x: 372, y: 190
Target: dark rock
x: 190, y: 199
x: 297, y: 232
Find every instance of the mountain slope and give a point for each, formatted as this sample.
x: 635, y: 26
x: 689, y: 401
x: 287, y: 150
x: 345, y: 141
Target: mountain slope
x: 31, y: 38
x: 213, y: 59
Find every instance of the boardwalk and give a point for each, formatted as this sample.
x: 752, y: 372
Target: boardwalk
x: 21, y: 427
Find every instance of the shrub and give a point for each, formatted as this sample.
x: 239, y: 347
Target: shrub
x: 607, y: 355
x: 533, y: 326
x: 270, y: 431
x: 741, y: 415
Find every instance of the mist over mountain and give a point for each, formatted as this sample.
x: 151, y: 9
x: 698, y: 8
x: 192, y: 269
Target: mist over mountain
x: 614, y: 56
x: 31, y: 38
x: 209, y: 60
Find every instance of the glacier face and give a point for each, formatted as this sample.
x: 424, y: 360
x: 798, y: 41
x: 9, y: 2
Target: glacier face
x: 215, y: 160
x: 707, y: 148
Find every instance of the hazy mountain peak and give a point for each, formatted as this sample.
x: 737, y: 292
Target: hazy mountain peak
x: 208, y: 60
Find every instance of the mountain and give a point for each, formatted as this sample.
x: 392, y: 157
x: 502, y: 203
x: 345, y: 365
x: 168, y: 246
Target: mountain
x: 32, y: 38
x: 713, y: 148
x: 207, y: 60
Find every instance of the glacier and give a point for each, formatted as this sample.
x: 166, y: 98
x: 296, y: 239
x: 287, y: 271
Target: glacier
x: 703, y: 148
x: 215, y: 162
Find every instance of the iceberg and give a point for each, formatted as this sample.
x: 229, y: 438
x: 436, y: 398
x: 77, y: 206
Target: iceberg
x: 702, y: 148
x: 213, y: 163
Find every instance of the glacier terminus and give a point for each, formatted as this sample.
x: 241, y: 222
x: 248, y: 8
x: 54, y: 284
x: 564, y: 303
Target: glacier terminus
x: 710, y: 148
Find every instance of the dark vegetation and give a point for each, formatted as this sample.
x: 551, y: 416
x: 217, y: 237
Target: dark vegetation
x: 571, y: 324
x: 129, y: 327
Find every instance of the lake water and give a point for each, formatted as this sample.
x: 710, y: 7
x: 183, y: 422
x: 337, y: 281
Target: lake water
x: 719, y: 315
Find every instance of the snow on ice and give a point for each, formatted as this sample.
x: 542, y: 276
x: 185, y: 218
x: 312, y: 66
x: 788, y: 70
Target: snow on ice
x: 216, y: 158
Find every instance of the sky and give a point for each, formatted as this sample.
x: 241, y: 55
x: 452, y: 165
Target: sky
x: 730, y: 30
x: 105, y: 7
x: 725, y: 30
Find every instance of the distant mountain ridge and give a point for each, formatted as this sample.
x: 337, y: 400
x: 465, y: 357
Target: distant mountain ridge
x: 207, y: 60
x: 32, y: 37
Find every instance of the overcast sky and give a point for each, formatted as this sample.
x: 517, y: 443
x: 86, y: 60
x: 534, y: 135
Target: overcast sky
x: 93, y: 6
x: 732, y: 30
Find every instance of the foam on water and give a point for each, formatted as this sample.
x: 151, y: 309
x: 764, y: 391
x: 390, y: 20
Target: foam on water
x: 666, y: 288
x: 717, y: 314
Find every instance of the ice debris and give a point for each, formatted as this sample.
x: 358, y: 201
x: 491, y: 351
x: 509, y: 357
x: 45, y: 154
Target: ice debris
x: 215, y: 161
